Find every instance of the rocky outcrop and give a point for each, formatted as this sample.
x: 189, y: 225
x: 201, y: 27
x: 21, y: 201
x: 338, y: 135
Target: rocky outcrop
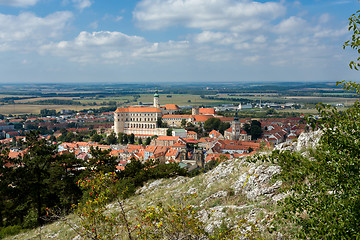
x: 308, y: 140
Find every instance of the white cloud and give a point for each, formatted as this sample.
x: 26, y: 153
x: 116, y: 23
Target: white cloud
x: 81, y: 4
x: 207, y: 15
x: 115, y: 46
x: 291, y: 25
x: 324, y: 18
x: 223, y: 38
x: 94, y: 25
x: 119, y: 18
x: 27, y: 28
x: 18, y: 3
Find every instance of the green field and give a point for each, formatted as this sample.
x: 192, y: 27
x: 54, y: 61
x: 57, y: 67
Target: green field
x: 35, y: 109
x: 96, y: 100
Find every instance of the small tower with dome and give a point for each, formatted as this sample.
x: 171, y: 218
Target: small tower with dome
x: 156, y: 99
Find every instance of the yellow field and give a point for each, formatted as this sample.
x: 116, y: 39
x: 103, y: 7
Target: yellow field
x: 35, y: 109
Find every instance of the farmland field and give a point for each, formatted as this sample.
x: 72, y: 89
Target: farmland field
x: 31, y: 99
x: 35, y: 109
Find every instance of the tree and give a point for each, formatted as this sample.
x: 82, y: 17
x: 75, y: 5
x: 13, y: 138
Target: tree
x: 223, y: 126
x: 148, y: 141
x: 324, y: 190
x: 169, y: 132
x: 111, y: 139
x: 100, y: 161
x: 253, y: 129
x: 354, y: 43
x: 212, y: 124
x: 183, y: 123
x: 140, y: 142
x: 96, y: 137
x: 132, y: 138
x: 41, y: 178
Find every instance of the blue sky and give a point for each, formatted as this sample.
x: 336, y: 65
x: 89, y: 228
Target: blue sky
x: 124, y: 41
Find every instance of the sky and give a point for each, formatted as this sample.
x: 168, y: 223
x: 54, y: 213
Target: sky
x: 134, y: 41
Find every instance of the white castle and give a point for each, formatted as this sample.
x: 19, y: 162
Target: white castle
x: 142, y: 120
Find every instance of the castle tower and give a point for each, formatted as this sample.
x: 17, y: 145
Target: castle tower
x: 195, y: 111
x: 119, y: 122
x: 199, y: 158
x: 236, y: 127
x: 156, y: 99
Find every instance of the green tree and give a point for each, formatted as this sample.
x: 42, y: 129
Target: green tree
x: 100, y: 161
x: 39, y: 179
x: 111, y: 139
x: 212, y: 124
x: 354, y: 43
x: 169, y: 132
x: 96, y: 137
x: 148, y: 141
x: 223, y: 126
x: 132, y: 138
x: 324, y: 190
x: 183, y: 123
x: 254, y: 129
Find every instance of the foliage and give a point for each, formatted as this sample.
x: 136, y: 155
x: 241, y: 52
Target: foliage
x: 9, y: 231
x: 254, y: 129
x: 179, y: 221
x: 96, y: 138
x: 95, y: 221
x: 354, y: 43
x: 111, y: 139
x: 212, y: 124
x: 38, y: 179
x: 223, y: 126
x: 100, y: 161
x: 325, y: 189
x: 132, y: 138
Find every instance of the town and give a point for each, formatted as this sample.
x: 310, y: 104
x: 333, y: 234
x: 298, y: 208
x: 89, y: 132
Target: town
x: 167, y: 133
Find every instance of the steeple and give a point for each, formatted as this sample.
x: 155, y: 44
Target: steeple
x: 156, y: 99
x: 236, y: 117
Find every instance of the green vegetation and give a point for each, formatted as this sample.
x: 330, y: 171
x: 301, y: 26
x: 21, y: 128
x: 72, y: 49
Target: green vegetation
x: 325, y: 188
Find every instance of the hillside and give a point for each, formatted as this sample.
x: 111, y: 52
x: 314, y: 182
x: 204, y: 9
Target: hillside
x: 235, y: 189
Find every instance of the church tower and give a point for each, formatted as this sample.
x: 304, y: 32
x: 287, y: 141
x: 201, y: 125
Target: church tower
x: 156, y: 99
x: 236, y: 127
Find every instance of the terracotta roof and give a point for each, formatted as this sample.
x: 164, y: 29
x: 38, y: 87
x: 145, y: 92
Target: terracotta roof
x: 167, y: 138
x: 191, y: 132
x: 171, y: 152
x: 15, y: 154
x: 177, y: 116
x: 150, y: 148
x: 178, y: 144
x: 243, y: 131
x: 171, y: 107
x: 215, y: 133
x: 138, y: 109
x: 135, y: 147
x: 225, y: 119
x: 202, y: 118
x: 207, y: 111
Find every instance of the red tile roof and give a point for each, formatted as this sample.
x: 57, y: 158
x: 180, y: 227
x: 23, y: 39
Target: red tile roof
x: 177, y: 116
x: 171, y: 107
x: 210, y: 111
x: 138, y: 109
x: 202, y: 118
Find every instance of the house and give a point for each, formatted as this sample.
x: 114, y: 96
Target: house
x: 216, y: 135
x: 191, y: 134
